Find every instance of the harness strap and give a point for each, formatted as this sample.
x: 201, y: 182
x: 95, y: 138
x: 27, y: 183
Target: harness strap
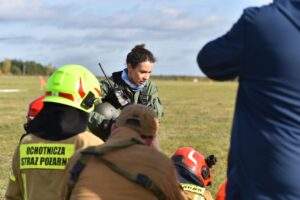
x: 143, y: 97
x: 141, y: 179
x: 85, y: 155
x: 107, y: 87
x: 75, y: 173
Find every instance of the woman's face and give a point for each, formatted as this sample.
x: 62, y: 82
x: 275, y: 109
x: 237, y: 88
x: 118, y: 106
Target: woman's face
x: 141, y: 73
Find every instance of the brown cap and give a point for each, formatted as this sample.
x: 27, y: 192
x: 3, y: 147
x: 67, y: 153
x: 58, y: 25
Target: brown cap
x: 140, y: 118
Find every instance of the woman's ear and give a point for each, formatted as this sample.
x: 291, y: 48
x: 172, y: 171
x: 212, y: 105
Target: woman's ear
x: 129, y: 67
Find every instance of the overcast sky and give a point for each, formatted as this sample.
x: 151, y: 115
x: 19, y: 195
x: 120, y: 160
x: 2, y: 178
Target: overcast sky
x: 88, y: 31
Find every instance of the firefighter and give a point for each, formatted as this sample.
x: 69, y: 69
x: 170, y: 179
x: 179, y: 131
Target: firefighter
x: 193, y: 172
x: 57, y: 131
x: 126, y: 166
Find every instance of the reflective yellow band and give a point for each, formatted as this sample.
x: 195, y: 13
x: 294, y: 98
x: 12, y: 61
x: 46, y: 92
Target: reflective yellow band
x: 193, y: 188
x: 45, y: 156
x: 24, y: 185
x: 12, y: 176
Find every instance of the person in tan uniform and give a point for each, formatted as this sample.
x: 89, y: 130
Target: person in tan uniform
x: 193, y: 172
x: 127, y: 166
x: 55, y: 133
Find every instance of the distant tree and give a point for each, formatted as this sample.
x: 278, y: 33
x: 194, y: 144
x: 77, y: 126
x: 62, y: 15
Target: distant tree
x: 16, y: 70
x: 6, y: 66
x: 18, y: 67
x: 49, y: 70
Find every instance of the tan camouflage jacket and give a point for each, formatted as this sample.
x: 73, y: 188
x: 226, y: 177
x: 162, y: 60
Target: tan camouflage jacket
x: 38, y: 166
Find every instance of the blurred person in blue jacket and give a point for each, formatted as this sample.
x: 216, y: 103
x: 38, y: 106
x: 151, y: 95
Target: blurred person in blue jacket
x: 262, y: 51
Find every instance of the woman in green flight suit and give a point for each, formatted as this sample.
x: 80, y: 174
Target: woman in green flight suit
x: 129, y: 86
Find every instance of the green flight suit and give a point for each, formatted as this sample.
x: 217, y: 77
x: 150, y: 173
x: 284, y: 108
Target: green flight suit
x: 148, y: 96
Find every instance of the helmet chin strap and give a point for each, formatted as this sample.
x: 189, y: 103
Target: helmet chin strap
x: 185, y: 176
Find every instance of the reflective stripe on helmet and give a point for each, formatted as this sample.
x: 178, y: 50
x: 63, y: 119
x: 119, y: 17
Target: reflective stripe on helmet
x: 80, y: 89
x: 98, y: 91
x: 61, y: 94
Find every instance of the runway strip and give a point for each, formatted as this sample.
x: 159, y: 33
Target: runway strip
x: 10, y: 90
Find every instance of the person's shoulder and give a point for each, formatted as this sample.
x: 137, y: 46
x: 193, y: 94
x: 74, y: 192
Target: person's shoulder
x: 106, y: 82
x: 155, y: 155
x: 150, y: 156
x: 151, y: 85
x: 86, y: 135
x: 251, y: 13
x: 30, y: 138
x: 113, y: 79
x: 86, y: 139
x: 116, y: 75
x: 117, y: 72
x: 149, y: 82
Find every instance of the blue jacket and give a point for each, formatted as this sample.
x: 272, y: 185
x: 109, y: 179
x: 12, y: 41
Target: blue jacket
x: 262, y: 50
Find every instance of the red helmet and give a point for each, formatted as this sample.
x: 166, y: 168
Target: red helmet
x: 34, y: 108
x: 192, y: 167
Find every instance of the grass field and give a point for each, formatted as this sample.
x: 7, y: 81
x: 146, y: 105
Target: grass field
x: 196, y: 114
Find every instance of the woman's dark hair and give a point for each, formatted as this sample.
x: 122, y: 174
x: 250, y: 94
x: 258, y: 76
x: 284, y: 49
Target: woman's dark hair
x: 139, y: 54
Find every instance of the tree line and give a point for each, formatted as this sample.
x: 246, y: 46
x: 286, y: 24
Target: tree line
x: 19, y: 67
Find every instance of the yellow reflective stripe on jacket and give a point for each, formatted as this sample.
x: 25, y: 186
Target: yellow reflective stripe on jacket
x: 193, y: 188
x: 45, y: 156
x: 24, y: 185
x: 12, y: 175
